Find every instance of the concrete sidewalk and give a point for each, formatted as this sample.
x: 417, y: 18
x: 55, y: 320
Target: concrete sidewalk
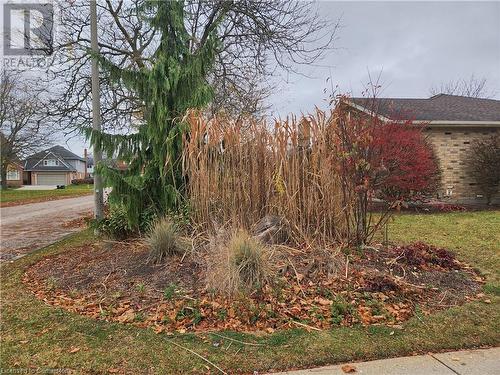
x: 465, y: 362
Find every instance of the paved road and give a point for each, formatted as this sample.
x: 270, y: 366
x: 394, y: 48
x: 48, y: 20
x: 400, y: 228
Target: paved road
x: 28, y: 227
x: 464, y: 362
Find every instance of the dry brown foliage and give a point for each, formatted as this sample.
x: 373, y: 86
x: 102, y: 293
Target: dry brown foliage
x: 239, y: 172
x: 237, y: 263
x: 164, y: 240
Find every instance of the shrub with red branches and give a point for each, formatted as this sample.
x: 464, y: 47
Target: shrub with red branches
x: 401, y: 151
x: 379, y: 158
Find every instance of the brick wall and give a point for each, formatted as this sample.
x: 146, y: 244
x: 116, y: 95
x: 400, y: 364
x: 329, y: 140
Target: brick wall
x: 452, y: 147
x: 14, y: 182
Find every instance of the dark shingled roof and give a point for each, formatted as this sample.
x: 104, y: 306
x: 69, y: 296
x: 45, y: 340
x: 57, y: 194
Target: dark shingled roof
x: 60, y: 152
x: 441, y: 107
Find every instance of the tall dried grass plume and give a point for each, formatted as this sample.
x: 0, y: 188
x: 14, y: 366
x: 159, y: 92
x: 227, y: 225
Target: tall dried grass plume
x: 241, y: 171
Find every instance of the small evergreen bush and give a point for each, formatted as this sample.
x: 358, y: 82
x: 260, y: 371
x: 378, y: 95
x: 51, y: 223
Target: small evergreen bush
x: 115, y: 224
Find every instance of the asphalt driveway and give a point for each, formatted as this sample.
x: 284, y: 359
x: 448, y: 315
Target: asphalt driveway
x: 28, y: 227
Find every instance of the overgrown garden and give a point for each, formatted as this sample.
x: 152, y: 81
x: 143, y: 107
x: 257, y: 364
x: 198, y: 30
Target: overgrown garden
x: 235, y: 222
x: 272, y: 227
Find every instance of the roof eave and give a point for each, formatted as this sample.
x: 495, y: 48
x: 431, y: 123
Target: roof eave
x: 430, y: 123
x: 461, y: 124
x: 51, y: 170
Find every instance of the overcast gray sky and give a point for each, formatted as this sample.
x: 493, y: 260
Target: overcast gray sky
x: 416, y: 45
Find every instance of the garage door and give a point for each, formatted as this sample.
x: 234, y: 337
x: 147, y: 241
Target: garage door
x: 51, y: 179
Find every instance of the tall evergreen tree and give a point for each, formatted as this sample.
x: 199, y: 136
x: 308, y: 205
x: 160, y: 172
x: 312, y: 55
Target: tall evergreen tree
x: 174, y: 81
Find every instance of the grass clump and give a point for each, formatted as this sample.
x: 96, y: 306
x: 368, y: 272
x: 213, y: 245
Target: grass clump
x: 492, y: 289
x: 241, y: 265
x: 164, y: 241
x: 340, y: 310
x: 249, y: 258
x: 170, y: 291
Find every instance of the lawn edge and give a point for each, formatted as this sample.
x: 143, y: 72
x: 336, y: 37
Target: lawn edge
x: 22, y: 202
x: 19, y: 266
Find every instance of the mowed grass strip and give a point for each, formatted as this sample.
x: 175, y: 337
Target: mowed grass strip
x: 473, y: 236
x: 32, y: 196
x: 37, y: 335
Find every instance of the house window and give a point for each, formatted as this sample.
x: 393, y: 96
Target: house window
x: 13, y: 175
x: 50, y: 162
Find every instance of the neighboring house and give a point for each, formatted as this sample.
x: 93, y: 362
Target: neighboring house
x: 14, y: 174
x: 90, y: 165
x: 54, y: 166
x: 452, y: 123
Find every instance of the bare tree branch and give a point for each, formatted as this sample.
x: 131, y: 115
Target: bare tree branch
x: 472, y: 87
x: 257, y: 37
x: 24, y: 127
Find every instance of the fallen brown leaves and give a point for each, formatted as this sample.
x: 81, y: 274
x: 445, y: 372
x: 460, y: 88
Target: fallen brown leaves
x: 79, y: 221
x: 348, y: 369
x: 381, y: 287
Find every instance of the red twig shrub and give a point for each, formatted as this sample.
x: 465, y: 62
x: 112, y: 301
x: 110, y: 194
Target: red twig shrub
x: 410, y: 167
x: 390, y: 160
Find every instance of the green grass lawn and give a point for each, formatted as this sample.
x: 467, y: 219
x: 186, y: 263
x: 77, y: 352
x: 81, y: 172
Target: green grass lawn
x: 16, y: 195
x: 36, y: 335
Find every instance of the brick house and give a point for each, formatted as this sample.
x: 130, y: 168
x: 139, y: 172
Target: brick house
x: 54, y: 166
x: 452, y: 124
x: 14, y: 175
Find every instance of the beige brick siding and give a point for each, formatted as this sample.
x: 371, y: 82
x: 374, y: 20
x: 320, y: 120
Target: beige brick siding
x: 452, y: 148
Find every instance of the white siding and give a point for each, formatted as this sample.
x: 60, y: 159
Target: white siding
x: 77, y: 164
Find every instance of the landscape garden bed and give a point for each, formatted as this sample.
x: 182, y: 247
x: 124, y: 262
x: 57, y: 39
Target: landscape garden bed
x: 313, y: 289
x: 37, y: 335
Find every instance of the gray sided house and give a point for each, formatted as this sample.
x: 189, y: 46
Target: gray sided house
x: 54, y: 166
x: 452, y: 124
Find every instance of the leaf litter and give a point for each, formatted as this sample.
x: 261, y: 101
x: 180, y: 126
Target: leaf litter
x: 311, y: 289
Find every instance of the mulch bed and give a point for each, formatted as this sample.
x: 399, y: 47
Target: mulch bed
x: 312, y: 289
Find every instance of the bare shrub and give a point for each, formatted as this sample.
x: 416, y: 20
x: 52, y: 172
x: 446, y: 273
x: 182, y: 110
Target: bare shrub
x: 484, y: 161
x: 237, y: 264
x: 327, y: 261
x: 164, y: 240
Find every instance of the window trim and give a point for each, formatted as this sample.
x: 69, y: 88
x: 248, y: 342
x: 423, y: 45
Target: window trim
x: 53, y: 162
x: 17, y: 174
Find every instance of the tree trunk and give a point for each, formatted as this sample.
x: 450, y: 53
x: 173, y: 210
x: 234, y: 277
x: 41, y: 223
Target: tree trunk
x: 3, y: 173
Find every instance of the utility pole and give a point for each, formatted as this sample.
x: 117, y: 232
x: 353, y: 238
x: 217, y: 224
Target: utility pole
x: 96, y: 111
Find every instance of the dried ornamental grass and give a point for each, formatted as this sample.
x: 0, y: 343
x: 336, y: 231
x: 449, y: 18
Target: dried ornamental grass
x: 241, y: 171
x: 250, y: 260
x: 240, y: 264
x: 164, y: 240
